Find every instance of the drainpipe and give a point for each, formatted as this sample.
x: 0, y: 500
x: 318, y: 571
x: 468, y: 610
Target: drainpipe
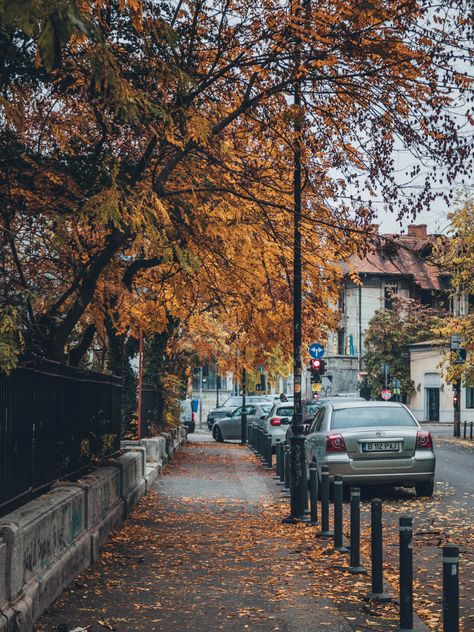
x: 360, y: 328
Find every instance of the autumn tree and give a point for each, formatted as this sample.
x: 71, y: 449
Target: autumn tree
x: 387, y: 337
x: 456, y: 255
x: 146, y: 166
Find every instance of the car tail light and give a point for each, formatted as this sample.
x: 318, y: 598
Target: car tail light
x: 424, y: 440
x: 275, y: 421
x: 335, y: 443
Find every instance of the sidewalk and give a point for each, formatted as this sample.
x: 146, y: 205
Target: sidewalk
x: 204, y: 551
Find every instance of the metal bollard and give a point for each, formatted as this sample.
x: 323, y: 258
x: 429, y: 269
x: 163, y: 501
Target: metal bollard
x: 355, y: 565
x: 277, y: 460
x: 377, y: 593
x: 338, y: 508
x: 282, y: 464
x: 269, y: 452
x: 306, y: 489
x: 325, y: 531
x: 263, y: 444
x: 265, y: 448
x: 406, y: 573
x: 287, y: 466
x: 451, y: 589
x: 465, y: 429
x: 313, y: 493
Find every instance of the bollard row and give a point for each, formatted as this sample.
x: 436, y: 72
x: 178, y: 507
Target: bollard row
x: 261, y: 443
x: 377, y: 593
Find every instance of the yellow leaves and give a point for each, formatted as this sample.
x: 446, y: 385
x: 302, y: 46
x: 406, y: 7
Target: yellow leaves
x: 11, y: 339
x: 105, y: 208
x: 198, y: 128
x: 14, y: 111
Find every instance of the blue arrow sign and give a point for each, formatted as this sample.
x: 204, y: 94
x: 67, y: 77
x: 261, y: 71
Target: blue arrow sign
x: 316, y: 350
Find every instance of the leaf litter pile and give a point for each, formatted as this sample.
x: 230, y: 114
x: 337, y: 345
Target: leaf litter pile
x: 206, y: 550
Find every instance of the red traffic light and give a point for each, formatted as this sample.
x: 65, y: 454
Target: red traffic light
x: 316, y: 364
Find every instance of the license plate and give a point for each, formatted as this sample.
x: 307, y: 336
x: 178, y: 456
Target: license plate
x: 381, y: 446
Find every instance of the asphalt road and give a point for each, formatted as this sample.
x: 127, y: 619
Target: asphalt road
x: 454, y: 463
x: 446, y: 518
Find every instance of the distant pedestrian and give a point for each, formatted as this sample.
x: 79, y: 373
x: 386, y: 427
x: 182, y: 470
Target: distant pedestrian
x: 283, y: 397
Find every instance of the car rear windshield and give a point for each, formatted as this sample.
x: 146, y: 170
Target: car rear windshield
x: 375, y: 416
x: 310, y: 409
x: 285, y: 411
x: 232, y: 401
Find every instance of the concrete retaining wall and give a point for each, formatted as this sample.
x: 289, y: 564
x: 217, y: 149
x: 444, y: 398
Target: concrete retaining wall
x: 48, y: 541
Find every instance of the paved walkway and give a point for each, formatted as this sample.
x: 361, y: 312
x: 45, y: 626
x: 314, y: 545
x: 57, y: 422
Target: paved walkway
x: 204, y: 551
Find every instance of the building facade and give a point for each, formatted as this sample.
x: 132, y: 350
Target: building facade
x: 397, y: 265
x: 433, y: 398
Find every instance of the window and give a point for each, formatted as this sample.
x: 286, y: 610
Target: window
x: 209, y: 378
x: 469, y: 397
x: 285, y: 411
x: 341, y: 342
x: 317, y: 421
x: 390, y: 292
x: 320, y: 419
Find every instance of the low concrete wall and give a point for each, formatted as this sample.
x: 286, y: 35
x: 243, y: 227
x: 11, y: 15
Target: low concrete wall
x: 105, y: 506
x: 47, y: 542
x: 132, y: 467
x: 47, y: 546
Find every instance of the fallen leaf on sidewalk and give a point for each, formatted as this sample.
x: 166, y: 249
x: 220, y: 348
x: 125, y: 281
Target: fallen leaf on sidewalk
x: 106, y: 624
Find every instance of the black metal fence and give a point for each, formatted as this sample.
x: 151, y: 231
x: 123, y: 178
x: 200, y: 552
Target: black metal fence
x: 149, y: 409
x: 55, y: 420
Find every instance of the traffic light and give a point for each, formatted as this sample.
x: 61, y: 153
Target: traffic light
x: 456, y: 401
x: 317, y: 368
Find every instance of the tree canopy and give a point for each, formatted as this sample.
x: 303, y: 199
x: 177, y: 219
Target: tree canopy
x: 456, y: 255
x: 386, y: 340
x: 146, y: 161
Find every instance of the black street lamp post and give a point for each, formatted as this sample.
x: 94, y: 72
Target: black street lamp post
x: 298, y: 489
x: 243, y: 435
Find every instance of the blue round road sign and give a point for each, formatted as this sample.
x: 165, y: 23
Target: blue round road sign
x: 316, y: 350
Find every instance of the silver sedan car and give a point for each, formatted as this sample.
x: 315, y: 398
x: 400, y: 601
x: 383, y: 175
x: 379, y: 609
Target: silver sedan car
x: 231, y: 427
x: 372, y: 443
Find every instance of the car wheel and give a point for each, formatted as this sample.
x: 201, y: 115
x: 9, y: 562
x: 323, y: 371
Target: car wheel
x: 425, y: 489
x: 217, y: 434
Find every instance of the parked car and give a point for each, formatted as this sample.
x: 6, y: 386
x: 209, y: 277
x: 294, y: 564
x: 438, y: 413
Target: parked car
x: 278, y: 420
x: 231, y: 427
x: 372, y: 443
x: 231, y: 404
x: 187, y: 416
x: 311, y: 407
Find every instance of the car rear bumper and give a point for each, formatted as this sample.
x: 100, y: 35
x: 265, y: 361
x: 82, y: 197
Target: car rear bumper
x: 420, y: 467
x: 278, y: 434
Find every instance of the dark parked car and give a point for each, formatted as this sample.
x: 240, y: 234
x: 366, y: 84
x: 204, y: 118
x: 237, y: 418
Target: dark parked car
x: 231, y: 404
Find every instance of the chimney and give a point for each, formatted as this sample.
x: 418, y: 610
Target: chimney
x: 417, y: 230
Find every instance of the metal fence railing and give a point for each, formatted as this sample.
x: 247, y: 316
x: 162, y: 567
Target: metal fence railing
x: 55, y: 421
x: 149, y: 409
